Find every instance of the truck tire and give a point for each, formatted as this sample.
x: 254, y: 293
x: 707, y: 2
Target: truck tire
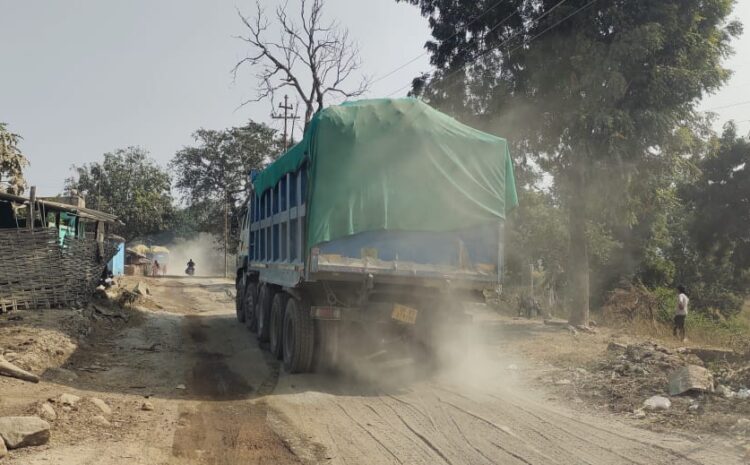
x: 298, y: 337
x: 278, y: 308
x: 251, y: 302
x: 263, y: 313
x: 239, y: 300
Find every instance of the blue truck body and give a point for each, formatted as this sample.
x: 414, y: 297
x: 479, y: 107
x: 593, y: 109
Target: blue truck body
x: 273, y: 246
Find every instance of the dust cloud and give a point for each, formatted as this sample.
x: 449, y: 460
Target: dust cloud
x: 461, y: 354
x: 204, y: 250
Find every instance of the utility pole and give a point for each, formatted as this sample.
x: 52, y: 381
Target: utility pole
x: 286, y: 117
x: 226, y: 234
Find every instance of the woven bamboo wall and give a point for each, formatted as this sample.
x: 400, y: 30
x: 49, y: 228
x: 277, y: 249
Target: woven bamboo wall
x: 36, y: 272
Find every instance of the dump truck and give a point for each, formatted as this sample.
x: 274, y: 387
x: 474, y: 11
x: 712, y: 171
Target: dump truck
x: 371, y: 232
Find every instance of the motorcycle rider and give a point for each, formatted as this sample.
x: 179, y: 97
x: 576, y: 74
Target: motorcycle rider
x: 190, y: 266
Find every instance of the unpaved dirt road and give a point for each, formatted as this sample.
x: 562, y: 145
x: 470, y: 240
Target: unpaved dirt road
x: 237, y: 408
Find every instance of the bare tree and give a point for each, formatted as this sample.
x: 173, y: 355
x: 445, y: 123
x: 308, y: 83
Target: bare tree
x: 315, y: 60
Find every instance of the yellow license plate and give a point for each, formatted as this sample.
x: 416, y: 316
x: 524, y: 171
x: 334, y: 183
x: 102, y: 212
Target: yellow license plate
x: 404, y: 314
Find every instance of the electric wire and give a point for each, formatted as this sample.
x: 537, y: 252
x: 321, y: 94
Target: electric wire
x: 575, y: 12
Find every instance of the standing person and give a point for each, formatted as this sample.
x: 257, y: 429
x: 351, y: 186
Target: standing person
x: 680, y: 313
x: 155, y: 268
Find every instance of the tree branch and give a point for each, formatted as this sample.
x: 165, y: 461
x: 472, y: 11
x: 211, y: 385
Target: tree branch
x: 307, y: 54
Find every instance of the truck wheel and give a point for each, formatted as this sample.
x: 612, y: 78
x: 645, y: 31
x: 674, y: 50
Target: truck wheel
x: 298, y: 337
x: 251, y: 302
x: 239, y: 300
x: 278, y: 307
x: 263, y: 313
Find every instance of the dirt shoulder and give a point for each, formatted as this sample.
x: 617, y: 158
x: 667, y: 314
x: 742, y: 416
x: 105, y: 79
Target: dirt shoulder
x: 612, y: 373
x: 178, y: 375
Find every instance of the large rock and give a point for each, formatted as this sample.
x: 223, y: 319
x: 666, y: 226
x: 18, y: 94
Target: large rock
x: 100, y: 421
x: 69, y: 399
x: 8, y: 369
x: 716, y: 355
x: 725, y: 391
x: 657, y: 403
x: 141, y: 289
x: 23, y: 431
x: 47, y: 412
x: 616, y: 347
x: 101, y: 405
x: 691, y: 378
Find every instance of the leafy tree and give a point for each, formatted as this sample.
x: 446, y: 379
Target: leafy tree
x: 130, y: 185
x: 720, y: 200
x: 645, y: 234
x: 712, y: 252
x: 214, y: 174
x: 590, y: 88
x: 12, y: 162
x: 536, y: 228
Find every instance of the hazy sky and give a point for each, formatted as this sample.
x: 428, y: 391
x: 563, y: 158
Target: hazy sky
x: 82, y: 77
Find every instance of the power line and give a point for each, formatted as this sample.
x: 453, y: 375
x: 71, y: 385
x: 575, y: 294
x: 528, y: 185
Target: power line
x: 729, y: 106
x: 513, y: 36
x: 554, y: 25
x: 476, y: 18
x: 500, y: 23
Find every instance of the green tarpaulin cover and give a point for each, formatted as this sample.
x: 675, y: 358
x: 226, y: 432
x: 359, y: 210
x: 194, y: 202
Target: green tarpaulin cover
x: 396, y: 164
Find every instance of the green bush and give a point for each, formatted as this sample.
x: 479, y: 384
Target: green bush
x: 666, y: 298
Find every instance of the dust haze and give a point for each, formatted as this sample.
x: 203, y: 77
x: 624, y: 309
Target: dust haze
x: 464, y: 356
x: 204, y: 250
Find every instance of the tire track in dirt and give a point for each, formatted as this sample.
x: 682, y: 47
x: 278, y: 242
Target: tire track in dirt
x: 422, y: 421
x: 225, y: 427
x: 369, y: 433
x: 427, y: 442
x: 565, y: 443
x: 584, y: 439
x: 515, y: 448
x: 434, y: 421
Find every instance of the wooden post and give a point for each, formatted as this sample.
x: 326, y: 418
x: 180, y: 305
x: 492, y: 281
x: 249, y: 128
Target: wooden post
x: 100, y: 238
x: 32, y: 208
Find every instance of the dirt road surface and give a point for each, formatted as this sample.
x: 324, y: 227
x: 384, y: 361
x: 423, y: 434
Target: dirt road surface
x: 217, y: 398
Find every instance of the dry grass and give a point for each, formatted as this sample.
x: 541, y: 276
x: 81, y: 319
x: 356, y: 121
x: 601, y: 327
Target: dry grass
x: 731, y: 334
x: 639, y: 311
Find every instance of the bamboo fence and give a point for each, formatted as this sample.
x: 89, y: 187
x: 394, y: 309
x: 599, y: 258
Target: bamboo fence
x: 36, y: 271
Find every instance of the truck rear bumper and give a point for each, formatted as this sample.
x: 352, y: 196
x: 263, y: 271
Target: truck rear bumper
x: 372, y: 312
x: 378, y: 313
x: 422, y: 278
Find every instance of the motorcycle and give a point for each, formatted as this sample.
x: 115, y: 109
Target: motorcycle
x: 190, y: 270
